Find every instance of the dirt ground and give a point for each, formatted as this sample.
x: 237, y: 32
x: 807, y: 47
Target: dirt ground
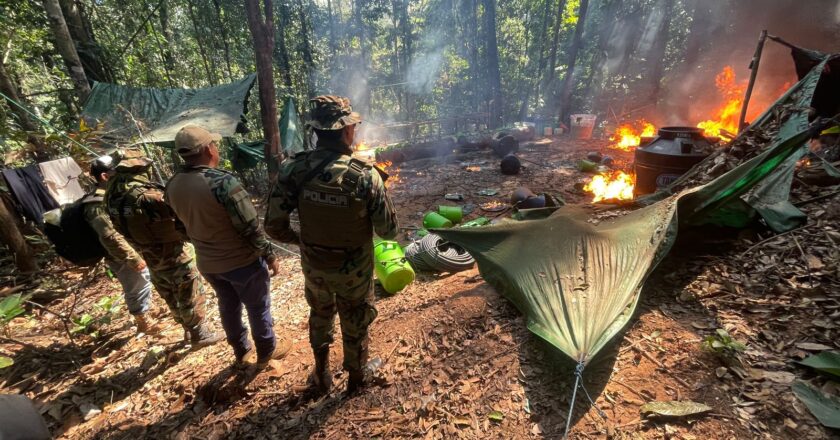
x: 453, y: 350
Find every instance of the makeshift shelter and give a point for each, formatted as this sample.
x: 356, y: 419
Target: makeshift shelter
x: 135, y: 114
x: 248, y: 154
x: 579, y: 283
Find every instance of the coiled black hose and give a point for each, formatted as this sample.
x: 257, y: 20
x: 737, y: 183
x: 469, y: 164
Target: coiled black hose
x: 433, y: 254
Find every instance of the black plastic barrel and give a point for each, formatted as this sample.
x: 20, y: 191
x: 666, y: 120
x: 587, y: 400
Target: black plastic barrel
x: 669, y: 156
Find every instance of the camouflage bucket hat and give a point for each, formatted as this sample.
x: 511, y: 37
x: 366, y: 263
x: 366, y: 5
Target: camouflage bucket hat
x: 132, y: 161
x: 331, y: 112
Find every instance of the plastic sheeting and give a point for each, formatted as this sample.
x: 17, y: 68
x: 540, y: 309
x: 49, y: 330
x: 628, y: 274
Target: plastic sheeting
x: 133, y: 114
x: 291, y: 130
x: 248, y: 154
x: 578, y: 284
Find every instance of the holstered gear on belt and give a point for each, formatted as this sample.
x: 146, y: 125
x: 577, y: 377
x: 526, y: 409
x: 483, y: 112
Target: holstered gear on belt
x: 333, y: 205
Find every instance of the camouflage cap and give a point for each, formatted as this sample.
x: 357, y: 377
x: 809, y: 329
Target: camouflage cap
x: 132, y: 161
x: 331, y: 112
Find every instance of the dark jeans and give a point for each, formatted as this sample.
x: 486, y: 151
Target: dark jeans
x: 247, y: 286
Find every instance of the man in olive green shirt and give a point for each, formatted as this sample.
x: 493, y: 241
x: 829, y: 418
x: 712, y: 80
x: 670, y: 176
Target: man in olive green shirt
x: 231, y: 249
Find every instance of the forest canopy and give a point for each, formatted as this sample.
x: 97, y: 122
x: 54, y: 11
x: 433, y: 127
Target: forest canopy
x: 399, y: 60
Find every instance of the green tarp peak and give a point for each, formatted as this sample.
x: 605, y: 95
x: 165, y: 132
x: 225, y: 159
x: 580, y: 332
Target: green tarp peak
x: 144, y: 114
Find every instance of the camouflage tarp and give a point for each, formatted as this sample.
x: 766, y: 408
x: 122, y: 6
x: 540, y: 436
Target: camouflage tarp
x: 134, y: 114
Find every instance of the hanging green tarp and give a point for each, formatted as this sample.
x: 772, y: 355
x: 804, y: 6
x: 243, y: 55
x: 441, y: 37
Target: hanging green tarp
x: 578, y: 284
x: 247, y: 155
x: 135, y: 114
x: 291, y: 130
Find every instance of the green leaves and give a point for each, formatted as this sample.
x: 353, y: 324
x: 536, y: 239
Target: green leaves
x: 827, y: 362
x: 105, y: 309
x: 6, y: 362
x: 496, y: 416
x: 825, y: 409
x: 722, y: 343
x: 12, y: 307
x: 82, y: 323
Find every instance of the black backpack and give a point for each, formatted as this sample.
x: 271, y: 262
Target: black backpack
x: 74, y: 239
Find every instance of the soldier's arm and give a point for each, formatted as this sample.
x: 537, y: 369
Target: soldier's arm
x: 237, y: 202
x: 111, y: 240
x: 381, y: 209
x: 280, y: 207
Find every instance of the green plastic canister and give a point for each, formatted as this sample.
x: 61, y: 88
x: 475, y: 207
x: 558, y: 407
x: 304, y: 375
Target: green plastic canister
x: 434, y: 220
x: 390, y: 265
x: 453, y: 213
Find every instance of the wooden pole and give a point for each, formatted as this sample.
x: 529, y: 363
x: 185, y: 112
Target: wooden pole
x: 756, y: 59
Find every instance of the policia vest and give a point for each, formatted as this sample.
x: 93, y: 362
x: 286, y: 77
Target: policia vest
x: 333, y: 203
x: 142, y: 220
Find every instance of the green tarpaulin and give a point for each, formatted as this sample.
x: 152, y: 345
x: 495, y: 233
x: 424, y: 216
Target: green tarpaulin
x: 291, y: 130
x: 134, y: 114
x: 248, y: 154
x: 578, y: 283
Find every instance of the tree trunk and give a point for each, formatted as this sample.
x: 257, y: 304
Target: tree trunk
x: 211, y: 76
x: 568, y: 79
x: 657, y: 53
x: 494, y: 76
x: 523, y: 111
x: 89, y: 50
x: 224, y: 35
x: 360, y: 28
x: 607, y: 30
x: 407, y: 54
x: 549, y: 75
x: 331, y: 22
x: 308, y: 63
x: 168, y: 59
x: 701, y: 28
x: 10, y: 89
x: 10, y: 236
x: 66, y: 48
x: 281, y: 52
x: 261, y: 24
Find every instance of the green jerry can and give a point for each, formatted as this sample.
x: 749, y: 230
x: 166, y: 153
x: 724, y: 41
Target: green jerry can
x: 391, y: 267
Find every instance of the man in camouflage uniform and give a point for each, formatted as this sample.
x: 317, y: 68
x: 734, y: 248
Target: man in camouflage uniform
x: 231, y: 249
x: 138, y: 212
x: 124, y: 262
x: 341, y: 201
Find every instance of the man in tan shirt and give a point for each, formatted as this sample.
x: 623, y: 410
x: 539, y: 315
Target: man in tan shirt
x: 231, y: 249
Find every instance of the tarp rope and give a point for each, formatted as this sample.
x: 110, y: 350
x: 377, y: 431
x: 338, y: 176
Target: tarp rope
x: 579, y: 384
x: 46, y: 123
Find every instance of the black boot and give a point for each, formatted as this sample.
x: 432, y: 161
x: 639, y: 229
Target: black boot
x: 321, y: 379
x: 202, y: 336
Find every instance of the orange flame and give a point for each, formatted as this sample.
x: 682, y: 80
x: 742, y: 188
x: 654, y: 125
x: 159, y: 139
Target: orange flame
x: 726, y: 117
x: 362, y: 146
x: 615, y: 186
x: 628, y: 136
x: 393, y: 173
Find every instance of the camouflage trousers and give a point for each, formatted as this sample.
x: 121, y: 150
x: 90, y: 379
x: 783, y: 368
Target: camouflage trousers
x: 340, y: 282
x: 176, y: 279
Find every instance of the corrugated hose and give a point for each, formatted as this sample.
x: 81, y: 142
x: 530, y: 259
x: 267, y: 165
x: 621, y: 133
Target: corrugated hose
x: 434, y: 254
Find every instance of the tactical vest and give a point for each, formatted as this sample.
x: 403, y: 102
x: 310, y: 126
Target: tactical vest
x: 138, y: 221
x: 333, y: 208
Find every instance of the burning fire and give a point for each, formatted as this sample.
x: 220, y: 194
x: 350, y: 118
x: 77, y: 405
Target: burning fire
x: 617, y: 185
x: 362, y: 146
x: 393, y: 173
x: 628, y: 136
x: 727, y: 115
